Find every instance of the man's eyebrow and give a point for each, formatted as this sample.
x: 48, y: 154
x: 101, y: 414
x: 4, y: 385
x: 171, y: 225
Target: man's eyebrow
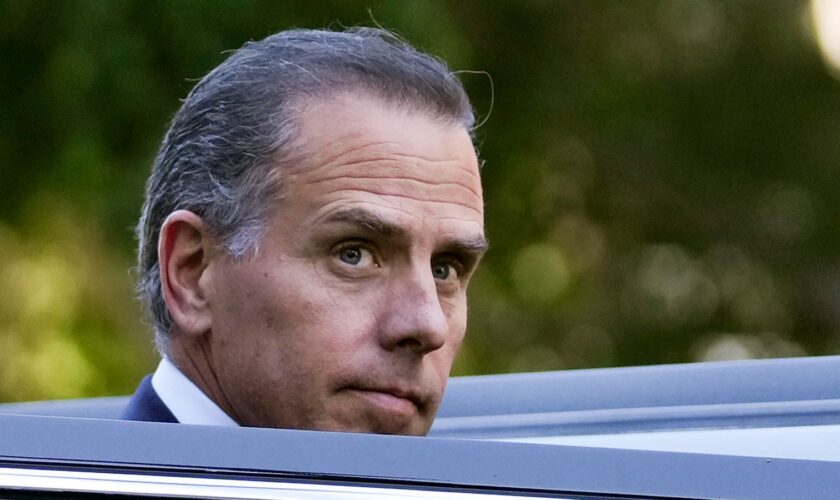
x: 474, y: 245
x: 366, y: 220
x: 370, y: 221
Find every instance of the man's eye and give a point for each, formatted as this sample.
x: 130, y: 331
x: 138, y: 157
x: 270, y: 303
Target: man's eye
x: 444, y: 271
x: 351, y: 255
x: 356, y: 256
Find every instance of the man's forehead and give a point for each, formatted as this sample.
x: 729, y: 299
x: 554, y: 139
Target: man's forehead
x: 328, y: 124
x: 363, y: 145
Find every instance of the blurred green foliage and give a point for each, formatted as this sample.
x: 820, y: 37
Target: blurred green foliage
x: 660, y: 176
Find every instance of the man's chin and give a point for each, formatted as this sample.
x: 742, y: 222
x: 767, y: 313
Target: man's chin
x: 380, y: 425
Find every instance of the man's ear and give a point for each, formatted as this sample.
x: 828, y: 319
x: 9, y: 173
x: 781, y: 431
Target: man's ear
x: 184, y: 251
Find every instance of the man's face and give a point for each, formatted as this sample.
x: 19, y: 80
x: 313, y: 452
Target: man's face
x: 351, y: 312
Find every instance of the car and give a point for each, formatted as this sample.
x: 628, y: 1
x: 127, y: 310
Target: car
x: 757, y: 429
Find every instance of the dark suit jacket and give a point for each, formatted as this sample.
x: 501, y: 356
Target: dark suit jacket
x: 147, y: 406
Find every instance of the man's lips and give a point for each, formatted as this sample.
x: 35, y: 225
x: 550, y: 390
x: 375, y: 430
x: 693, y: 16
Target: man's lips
x: 391, y: 398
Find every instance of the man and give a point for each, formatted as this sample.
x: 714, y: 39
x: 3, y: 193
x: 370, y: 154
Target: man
x: 311, y: 224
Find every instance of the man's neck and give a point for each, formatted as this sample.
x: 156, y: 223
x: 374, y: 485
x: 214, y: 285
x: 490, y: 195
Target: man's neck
x: 191, y: 358
x: 187, y: 402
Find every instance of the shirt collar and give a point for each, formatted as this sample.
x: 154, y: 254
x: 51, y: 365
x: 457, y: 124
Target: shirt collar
x: 184, y: 399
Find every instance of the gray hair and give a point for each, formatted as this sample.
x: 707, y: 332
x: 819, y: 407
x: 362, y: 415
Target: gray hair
x: 222, y: 155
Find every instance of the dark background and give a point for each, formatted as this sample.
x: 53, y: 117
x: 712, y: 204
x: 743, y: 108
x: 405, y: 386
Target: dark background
x: 660, y: 176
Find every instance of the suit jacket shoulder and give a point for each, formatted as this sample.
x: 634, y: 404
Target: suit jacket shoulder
x: 147, y: 406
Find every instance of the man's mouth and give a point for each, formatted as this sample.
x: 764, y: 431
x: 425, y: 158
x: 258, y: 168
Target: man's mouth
x: 391, y: 399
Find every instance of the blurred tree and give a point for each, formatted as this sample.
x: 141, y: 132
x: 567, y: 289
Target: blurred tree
x: 659, y: 175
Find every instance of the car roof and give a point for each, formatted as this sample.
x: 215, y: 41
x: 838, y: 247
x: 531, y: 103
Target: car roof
x: 764, y: 395
x: 55, y: 443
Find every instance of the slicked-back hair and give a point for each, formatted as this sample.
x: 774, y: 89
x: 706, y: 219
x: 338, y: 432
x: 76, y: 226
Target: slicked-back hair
x: 222, y: 156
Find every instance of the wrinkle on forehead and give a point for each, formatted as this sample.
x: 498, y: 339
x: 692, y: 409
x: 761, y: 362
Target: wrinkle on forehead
x: 380, y: 160
x: 338, y: 153
x: 442, y: 201
x: 375, y: 164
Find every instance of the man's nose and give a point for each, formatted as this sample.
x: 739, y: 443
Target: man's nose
x: 414, y: 318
